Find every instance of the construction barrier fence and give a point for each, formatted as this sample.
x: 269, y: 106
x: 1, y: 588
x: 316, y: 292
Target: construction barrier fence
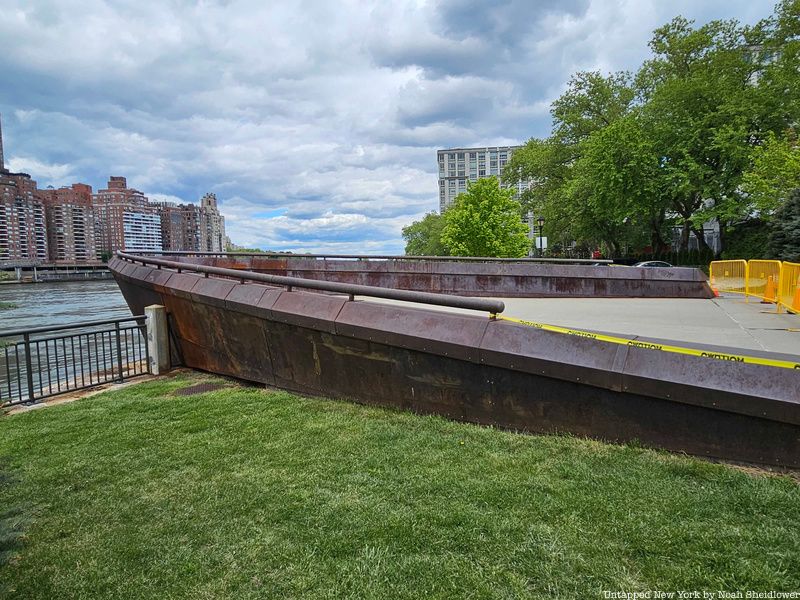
x: 769, y: 280
x: 763, y: 278
x: 789, y: 287
x: 729, y: 276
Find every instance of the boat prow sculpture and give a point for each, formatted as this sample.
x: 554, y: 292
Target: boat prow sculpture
x: 321, y: 338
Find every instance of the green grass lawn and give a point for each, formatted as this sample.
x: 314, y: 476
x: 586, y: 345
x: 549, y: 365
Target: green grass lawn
x: 247, y: 493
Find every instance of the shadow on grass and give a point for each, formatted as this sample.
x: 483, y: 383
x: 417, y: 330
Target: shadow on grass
x: 11, y: 526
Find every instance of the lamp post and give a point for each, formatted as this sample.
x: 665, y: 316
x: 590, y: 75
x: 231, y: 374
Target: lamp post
x: 540, y: 221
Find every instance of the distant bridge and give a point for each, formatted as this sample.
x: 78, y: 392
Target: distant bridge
x: 38, y: 270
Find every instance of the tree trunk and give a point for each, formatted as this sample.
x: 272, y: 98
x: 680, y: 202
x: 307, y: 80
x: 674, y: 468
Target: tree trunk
x: 721, y: 241
x: 657, y: 241
x: 610, y: 247
x: 701, y: 240
x: 683, y: 245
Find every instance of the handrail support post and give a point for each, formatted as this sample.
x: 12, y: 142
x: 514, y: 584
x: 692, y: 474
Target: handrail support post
x: 28, y: 365
x: 118, y: 333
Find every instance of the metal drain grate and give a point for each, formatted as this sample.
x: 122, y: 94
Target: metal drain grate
x: 198, y: 388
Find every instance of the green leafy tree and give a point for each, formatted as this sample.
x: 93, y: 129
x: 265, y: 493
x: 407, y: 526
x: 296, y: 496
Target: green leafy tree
x: 546, y: 163
x: 424, y: 237
x: 614, y: 188
x: 747, y: 240
x: 694, y: 136
x: 774, y: 174
x: 784, y: 236
x: 775, y: 53
x: 699, y: 106
x: 485, y: 221
x: 591, y: 103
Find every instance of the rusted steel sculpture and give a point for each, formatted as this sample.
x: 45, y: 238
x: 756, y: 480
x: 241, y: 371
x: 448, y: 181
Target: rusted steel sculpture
x: 505, y: 278
x: 467, y: 367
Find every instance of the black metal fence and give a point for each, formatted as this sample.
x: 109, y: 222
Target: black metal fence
x: 35, y: 364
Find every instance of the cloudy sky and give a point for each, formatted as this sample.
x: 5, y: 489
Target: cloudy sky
x: 316, y: 123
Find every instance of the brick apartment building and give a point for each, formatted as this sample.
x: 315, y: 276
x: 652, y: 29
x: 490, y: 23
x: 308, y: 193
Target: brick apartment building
x: 172, y: 234
x: 23, y: 232
x: 124, y: 219
x: 193, y: 228
x: 70, y: 223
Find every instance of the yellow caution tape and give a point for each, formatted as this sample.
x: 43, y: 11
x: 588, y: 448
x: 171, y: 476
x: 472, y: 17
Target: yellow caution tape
x: 769, y: 362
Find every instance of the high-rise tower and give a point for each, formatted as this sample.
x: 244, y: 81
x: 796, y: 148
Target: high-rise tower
x: 2, y: 162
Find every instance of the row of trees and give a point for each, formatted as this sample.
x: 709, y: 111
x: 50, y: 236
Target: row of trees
x: 705, y: 130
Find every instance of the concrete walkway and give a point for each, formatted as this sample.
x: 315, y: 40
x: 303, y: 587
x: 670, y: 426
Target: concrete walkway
x: 724, y: 321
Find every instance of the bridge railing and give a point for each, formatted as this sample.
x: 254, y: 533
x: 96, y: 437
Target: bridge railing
x: 349, y: 289
x: 769, y: 280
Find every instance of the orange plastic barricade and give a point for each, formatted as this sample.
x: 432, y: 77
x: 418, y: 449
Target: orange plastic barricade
x: 763, y: 279
x: 789, y: 288
x: 729, y: 276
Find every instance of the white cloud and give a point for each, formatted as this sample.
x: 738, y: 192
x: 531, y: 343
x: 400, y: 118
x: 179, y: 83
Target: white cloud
x: 316, y: 123
x: 54, y: 174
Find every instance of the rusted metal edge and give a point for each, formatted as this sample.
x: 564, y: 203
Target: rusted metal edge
x: 488, y: 305
x: 576, y: 261
x: 640, y: 281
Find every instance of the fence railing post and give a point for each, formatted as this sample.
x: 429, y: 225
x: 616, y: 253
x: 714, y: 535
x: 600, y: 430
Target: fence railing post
x: 119, y: 351
x: 28, y: 365
x: 157, y: 339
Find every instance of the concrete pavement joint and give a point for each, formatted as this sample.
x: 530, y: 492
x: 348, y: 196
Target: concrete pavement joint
x: 739, y: 325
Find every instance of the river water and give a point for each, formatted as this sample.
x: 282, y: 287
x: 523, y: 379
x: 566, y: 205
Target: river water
x: 60, y: 303
x: 73, y: 359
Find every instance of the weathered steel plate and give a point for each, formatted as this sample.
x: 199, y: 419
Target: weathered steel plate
x: 473, y: 369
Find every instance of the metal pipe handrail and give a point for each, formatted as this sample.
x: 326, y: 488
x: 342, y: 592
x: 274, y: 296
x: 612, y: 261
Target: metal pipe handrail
x: 378, y: 257
x: 351, y: 289
x: 14, y: 332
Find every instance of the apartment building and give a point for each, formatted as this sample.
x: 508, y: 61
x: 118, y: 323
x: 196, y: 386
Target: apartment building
x: 124, y: 219
x: 70, y: 223
x: 142, y: 231
x: 23, y: 235
x: 23, y: 231
x: 457, y: 166
x: 181, y: 227
x: 213, y: 224
x: 171, y: 226
x: 193, y: 228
